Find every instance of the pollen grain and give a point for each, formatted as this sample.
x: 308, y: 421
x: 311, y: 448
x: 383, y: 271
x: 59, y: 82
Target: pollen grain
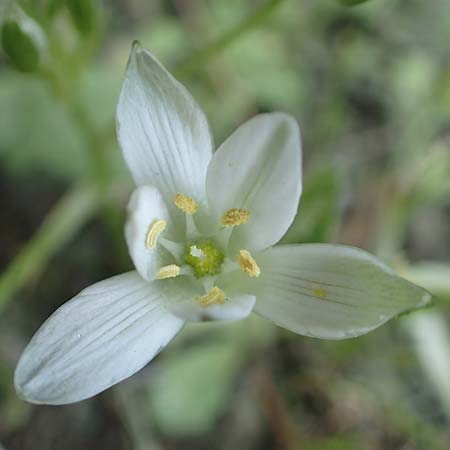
x: 248, y: 264
x: 185, y: 203
x: 170, y: 271
x: 214, y: 297
x: 234, y: 217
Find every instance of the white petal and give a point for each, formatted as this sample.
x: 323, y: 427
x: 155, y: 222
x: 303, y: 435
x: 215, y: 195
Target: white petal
x: 330, y: 291
x: 236, y: 306
x: 146, y: 205
x: 163, y: 133
x: 258, y: 168
x: 103, y: 335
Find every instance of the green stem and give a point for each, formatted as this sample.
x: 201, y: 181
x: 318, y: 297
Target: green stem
x: 199, y: 58
x: 72, y: 211
x: 97, y: 144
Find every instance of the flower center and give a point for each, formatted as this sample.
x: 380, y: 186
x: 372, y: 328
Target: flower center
x: 204, y: 258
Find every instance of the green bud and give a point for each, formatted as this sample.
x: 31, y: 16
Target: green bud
x: 84, y: 15
x: 22, y: 40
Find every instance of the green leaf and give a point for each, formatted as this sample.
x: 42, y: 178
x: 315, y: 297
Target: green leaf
x: 194, y: 387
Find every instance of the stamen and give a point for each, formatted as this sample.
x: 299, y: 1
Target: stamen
x: 214, y: 297
x: 175, y: 248
x: 170, y: 271
x: 154, y: 231
x: 185, y: 203
x: 248, y: 264
x: 234, y: 217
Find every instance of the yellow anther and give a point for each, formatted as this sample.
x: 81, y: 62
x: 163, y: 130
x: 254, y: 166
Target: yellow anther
x: 235, y: 217
x: 214, y: 297
x: 248, y: 264
x: 170, y: 271
x: 185, y: 203
x: 154, y: 231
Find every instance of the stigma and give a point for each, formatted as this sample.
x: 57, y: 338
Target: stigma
x: 204, y: 258
x: 185, y: 203
x: 153, y: 233
x: 214, y: 297
x: 248, y: 264
x: 170, y: 271
x: 234, y: 217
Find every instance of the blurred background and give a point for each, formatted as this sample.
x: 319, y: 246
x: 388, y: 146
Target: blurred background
x: 369, y: 82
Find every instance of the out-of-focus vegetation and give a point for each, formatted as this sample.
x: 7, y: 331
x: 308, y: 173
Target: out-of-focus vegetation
x: 370, y: 85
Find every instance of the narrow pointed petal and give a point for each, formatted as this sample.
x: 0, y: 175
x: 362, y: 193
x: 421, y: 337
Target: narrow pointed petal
x: 258, y: 168
x: 102, y: 336
x: 163, y: 133
x: 145, y: 208
x: 330, y: 291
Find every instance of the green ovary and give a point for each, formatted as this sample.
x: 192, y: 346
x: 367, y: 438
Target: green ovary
x: 204, y: 258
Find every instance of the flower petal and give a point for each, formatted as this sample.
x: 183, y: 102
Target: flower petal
x: 163, y: 133
x: 236, y: 306
x: 258, y: 168
x: 146, y: 206
x: 103, y: 335
x: 330, y: 291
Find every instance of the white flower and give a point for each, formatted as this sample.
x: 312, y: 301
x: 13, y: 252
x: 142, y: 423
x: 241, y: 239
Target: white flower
x: 201, y: 231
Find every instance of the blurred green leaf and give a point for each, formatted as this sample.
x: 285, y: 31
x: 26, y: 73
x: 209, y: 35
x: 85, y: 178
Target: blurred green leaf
x: 99, y: 90
x: 338, y: 442
x: 431, y: 336
x: 194, y: 387
x: 274, y: 81
x: 36, y: 133
x: 84, y: 15
x: 351, y: 2
x: 54, y: 6
x: 167, y: 40
x: 432, y: 182
x: 12, y: 412
x: 318, y: 210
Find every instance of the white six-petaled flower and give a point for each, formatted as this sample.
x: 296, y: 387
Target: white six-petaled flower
x: 201, y: 232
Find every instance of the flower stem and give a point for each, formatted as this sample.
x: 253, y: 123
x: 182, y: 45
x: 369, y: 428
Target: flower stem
x: 71, y: 212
